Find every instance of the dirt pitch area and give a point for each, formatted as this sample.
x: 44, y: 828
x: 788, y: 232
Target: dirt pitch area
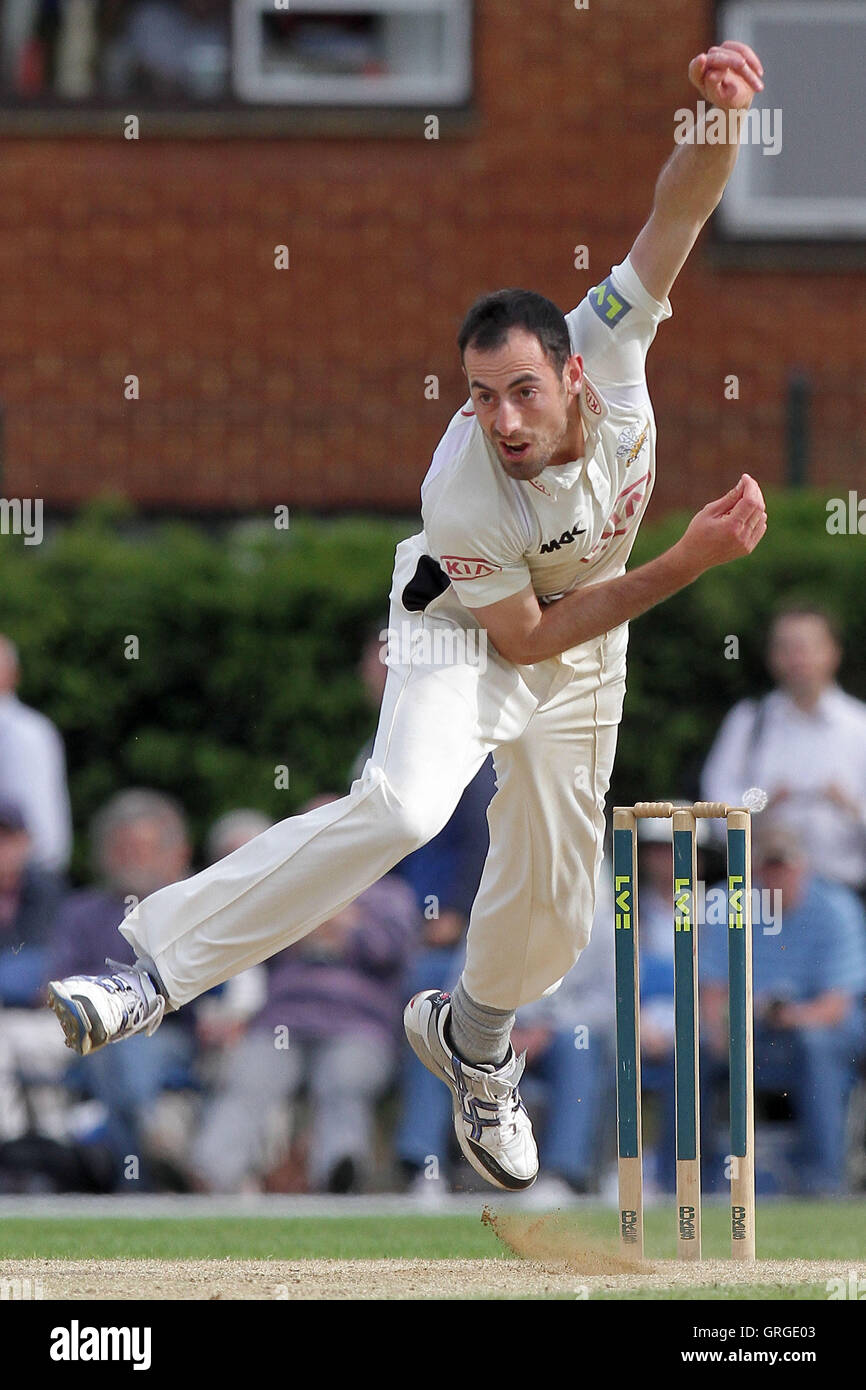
x: 552, y: 1259
x: 390, y: 1279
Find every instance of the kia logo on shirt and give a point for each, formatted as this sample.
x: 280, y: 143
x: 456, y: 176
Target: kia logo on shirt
x: 467, y: 567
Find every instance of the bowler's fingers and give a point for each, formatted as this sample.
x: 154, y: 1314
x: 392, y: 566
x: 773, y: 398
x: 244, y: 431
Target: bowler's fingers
x: 722, y: 505
x: 748, y: 53
x: 748, y: 519
x: 751, y: 490
x: 724, y: 57
x: 755, y: 530
x: 697, y: 68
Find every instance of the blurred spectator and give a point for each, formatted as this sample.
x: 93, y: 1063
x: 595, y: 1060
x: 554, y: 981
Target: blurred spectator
x: 234, y: 829
x: 28, y: 901
x: 809, y: 979
x: 33, y: 769
x: 171, y: 49
x: 330, y: 1023
x: 139, y: 844
x: 804, y: 744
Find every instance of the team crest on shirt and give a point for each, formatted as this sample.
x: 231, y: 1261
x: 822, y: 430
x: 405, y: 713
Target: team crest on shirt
x: 630, y: 445
x: 467, y: 567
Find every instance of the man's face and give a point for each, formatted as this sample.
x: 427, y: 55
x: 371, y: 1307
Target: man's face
x: 802, y: 653
x: 524, y: 407
x: 781, y: 876
x: 140, y: 858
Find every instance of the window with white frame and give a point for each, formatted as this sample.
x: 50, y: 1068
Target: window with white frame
x: 801, y: 170
x: 364, y: 52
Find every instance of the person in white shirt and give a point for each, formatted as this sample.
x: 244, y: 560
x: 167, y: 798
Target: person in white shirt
x: 804, y: 745
x: 33, y: 769
x: 508, y: 623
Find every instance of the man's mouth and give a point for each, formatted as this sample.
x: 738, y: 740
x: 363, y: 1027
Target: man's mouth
x: 514, y: 451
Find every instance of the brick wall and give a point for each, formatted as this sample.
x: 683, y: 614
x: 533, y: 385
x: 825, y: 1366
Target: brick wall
x: 306, y: 386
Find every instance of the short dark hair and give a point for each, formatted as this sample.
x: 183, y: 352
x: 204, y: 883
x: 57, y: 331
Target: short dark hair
x: 795, y: 608
x: 491, y: 317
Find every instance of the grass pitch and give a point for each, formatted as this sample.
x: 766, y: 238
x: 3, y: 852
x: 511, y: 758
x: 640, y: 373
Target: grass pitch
x: 562, y: 1255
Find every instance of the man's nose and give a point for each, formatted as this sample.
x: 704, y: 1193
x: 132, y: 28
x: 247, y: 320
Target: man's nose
x: 507, y: 418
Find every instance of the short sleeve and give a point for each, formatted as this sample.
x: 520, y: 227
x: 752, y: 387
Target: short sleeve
x: 613, y: 327
x: 483, y: 565
x: 478, y: 574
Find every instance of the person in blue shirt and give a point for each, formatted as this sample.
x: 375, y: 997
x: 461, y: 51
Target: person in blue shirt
x: 444, y: 876
x: 809, y: 954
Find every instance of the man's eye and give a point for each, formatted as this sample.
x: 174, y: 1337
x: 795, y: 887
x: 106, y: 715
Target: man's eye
x: 528, y: 392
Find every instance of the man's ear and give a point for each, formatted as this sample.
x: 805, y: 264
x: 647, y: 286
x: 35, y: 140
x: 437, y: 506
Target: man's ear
x: 574, y: 374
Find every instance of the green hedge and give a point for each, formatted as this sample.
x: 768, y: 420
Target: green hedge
x: 249, y: 639
x: 248, y: 649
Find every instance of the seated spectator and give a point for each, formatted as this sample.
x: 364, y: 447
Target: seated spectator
x: 28, y: 901
x: 139, y: 843
x: 804, y: 744
x: 234, y: 829
x: 33, y: 769
x: 331, y: 1024
x: 809, y: 980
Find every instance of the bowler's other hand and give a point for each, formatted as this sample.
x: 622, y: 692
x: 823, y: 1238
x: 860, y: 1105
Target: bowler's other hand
x: 725, y: 529
x: 727, y: 75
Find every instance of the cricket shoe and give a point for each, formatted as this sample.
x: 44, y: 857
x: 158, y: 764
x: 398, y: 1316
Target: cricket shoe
x: 97, y: 1009
x: 490, y: 1120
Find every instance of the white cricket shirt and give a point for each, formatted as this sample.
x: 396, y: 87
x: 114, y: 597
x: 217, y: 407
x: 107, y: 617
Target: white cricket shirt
x: 492, y: 534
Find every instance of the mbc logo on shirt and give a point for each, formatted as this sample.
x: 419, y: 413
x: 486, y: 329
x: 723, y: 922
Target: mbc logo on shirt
x: 467, y: 567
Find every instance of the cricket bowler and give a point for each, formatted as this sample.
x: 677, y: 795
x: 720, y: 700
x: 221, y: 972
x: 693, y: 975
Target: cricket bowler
x: 530, y: 510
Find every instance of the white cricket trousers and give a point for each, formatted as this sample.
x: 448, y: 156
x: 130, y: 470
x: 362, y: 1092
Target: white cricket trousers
x: 552, y: 728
